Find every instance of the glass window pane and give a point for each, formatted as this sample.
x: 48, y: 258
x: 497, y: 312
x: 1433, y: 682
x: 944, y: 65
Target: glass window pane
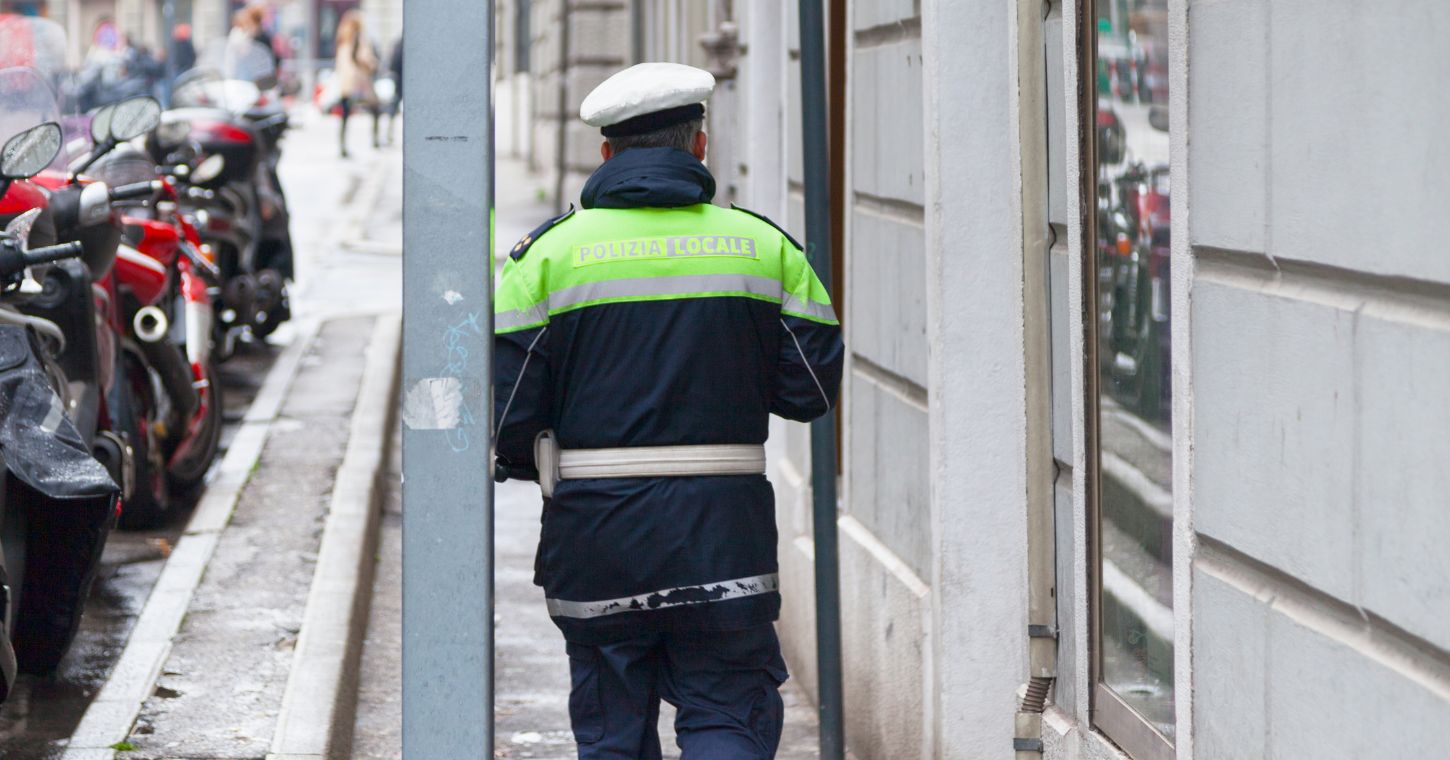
x: 1133, y: 317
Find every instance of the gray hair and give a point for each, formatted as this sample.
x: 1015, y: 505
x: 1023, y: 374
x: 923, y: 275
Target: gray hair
x: 677, y: 136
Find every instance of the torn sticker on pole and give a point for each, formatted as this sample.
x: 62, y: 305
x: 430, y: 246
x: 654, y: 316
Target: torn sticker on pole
x: 434, y: 403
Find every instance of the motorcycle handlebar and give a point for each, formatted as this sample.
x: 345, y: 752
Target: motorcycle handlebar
x: 13, y: 260
x: 51, y: 253
x: 136, y: 191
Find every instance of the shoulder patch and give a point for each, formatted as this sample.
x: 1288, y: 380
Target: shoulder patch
x: 522, y: 247
x: 767, y: 220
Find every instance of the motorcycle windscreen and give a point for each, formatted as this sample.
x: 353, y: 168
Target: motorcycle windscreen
x: 38, y: 442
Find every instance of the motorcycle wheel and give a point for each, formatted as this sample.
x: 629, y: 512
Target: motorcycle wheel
x: 279, y: 312
x: 275, y: 317
x: 62, y: 555
x: 188, y: 474
x: 150, y: 502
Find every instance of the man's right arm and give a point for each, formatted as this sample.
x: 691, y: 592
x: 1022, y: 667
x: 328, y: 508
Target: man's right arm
x: 521, y: 386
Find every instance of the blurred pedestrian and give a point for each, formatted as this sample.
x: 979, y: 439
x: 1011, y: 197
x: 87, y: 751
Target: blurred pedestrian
x: 395, y: 68
x: 257, y: 19
x: 143, y: 70
x: 183, y: 52
x: 244, y: 30
x: 354, y: 69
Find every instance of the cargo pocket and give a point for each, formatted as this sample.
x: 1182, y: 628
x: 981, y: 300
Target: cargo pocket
x: 586, y: 711
x: 768, y: 714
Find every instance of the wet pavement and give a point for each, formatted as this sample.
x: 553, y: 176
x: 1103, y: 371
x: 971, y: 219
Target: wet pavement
x: 531, y: 670
x: 324, y: 196
x: 222, y: 684
x: 42, y: 712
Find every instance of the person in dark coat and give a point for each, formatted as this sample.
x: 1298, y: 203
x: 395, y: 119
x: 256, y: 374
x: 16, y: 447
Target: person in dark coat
x: 257, y: 15
x: 641, y: 345
x: 182, y: 56
x: 395, y: 68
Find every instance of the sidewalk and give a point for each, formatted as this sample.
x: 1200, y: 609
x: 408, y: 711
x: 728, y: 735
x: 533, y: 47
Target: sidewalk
x: 532, y: 672
x: 248, y: 633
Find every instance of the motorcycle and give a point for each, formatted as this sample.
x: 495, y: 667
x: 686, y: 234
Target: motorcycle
x: 225, y: 111
x: 58, y: 503
x: 166, y: 398
x: 1133, y: 286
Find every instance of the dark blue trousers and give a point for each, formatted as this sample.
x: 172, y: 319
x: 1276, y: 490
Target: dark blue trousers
x: 725, y: 686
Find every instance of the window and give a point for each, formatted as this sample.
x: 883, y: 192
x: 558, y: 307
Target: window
x: 1130, y: 390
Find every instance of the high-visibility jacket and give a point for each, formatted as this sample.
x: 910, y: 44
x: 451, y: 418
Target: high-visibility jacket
x: 653, y: 318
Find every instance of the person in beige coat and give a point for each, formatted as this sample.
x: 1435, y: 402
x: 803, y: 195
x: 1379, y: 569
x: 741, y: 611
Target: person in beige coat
x: 356, y: 65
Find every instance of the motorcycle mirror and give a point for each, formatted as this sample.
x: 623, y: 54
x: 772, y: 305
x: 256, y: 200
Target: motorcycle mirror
x: 134, y: 117
x: 25, y: 154
x: 209, y: 169
x: 101, y: 124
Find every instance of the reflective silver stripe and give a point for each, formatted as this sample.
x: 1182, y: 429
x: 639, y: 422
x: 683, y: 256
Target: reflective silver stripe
x: 806, y: 361
x: 671, y: 597
x: 682, y: 285
x: 822, y: 311
x: 514, y: 319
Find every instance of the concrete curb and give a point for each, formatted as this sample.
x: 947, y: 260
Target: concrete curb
x: 113, y: 711
x: 315, y: 720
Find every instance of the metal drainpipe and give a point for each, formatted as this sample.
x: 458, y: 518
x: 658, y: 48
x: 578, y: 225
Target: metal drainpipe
x: 307, y: 67
x: 1041, y: 470
x: 823, y: 431
x: 636, y: 30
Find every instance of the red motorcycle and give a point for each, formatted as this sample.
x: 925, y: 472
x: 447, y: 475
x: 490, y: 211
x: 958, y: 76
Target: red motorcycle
x: 158, y: 294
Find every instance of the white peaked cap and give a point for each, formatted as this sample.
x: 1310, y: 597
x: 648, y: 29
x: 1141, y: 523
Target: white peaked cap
x: 645, y: 88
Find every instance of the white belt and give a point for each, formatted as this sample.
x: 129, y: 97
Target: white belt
x: 643, y: 461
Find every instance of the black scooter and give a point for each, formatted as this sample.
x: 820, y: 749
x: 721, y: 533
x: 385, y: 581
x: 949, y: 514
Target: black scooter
x: 57, y: 504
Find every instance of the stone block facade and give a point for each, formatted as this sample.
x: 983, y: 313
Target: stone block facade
x: 1305, y: 482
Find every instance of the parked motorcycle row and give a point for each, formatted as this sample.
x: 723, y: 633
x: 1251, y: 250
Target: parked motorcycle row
x: 141, y: 248
x: 1133, y: 235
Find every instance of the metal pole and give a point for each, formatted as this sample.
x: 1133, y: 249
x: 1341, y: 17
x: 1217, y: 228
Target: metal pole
x: 447, y: 368
x: 307, y: 64
x: 636, y: 31
x: 823, y: 431
x: 561, y: 138
x: 165, y: 46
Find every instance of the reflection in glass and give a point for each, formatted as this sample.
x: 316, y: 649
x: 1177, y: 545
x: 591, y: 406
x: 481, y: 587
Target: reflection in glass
x: 1135, y: 422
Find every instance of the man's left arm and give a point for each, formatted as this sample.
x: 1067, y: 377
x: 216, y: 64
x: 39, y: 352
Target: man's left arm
x: 808, y: 371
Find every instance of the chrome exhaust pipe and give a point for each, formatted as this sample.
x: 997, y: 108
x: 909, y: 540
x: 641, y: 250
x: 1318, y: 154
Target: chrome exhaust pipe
x: 150, y: 324
x: 198, y: 332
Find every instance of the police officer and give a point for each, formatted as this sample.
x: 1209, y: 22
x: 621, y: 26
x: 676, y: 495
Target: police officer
x: 642, y: 343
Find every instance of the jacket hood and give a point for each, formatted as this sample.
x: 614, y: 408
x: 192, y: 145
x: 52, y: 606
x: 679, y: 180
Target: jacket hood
x: 649, y: 178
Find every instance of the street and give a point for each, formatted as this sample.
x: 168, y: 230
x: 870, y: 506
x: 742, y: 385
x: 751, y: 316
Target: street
x: 348, y: 250
x: 223, y: 677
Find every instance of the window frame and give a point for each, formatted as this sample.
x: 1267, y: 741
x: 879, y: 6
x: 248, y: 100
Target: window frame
x: 1108, y: 714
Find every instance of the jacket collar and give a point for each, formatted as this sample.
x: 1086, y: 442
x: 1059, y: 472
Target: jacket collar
x: 649, y: 178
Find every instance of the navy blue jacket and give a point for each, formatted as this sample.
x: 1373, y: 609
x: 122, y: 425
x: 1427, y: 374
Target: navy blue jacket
x: 727, y: 325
